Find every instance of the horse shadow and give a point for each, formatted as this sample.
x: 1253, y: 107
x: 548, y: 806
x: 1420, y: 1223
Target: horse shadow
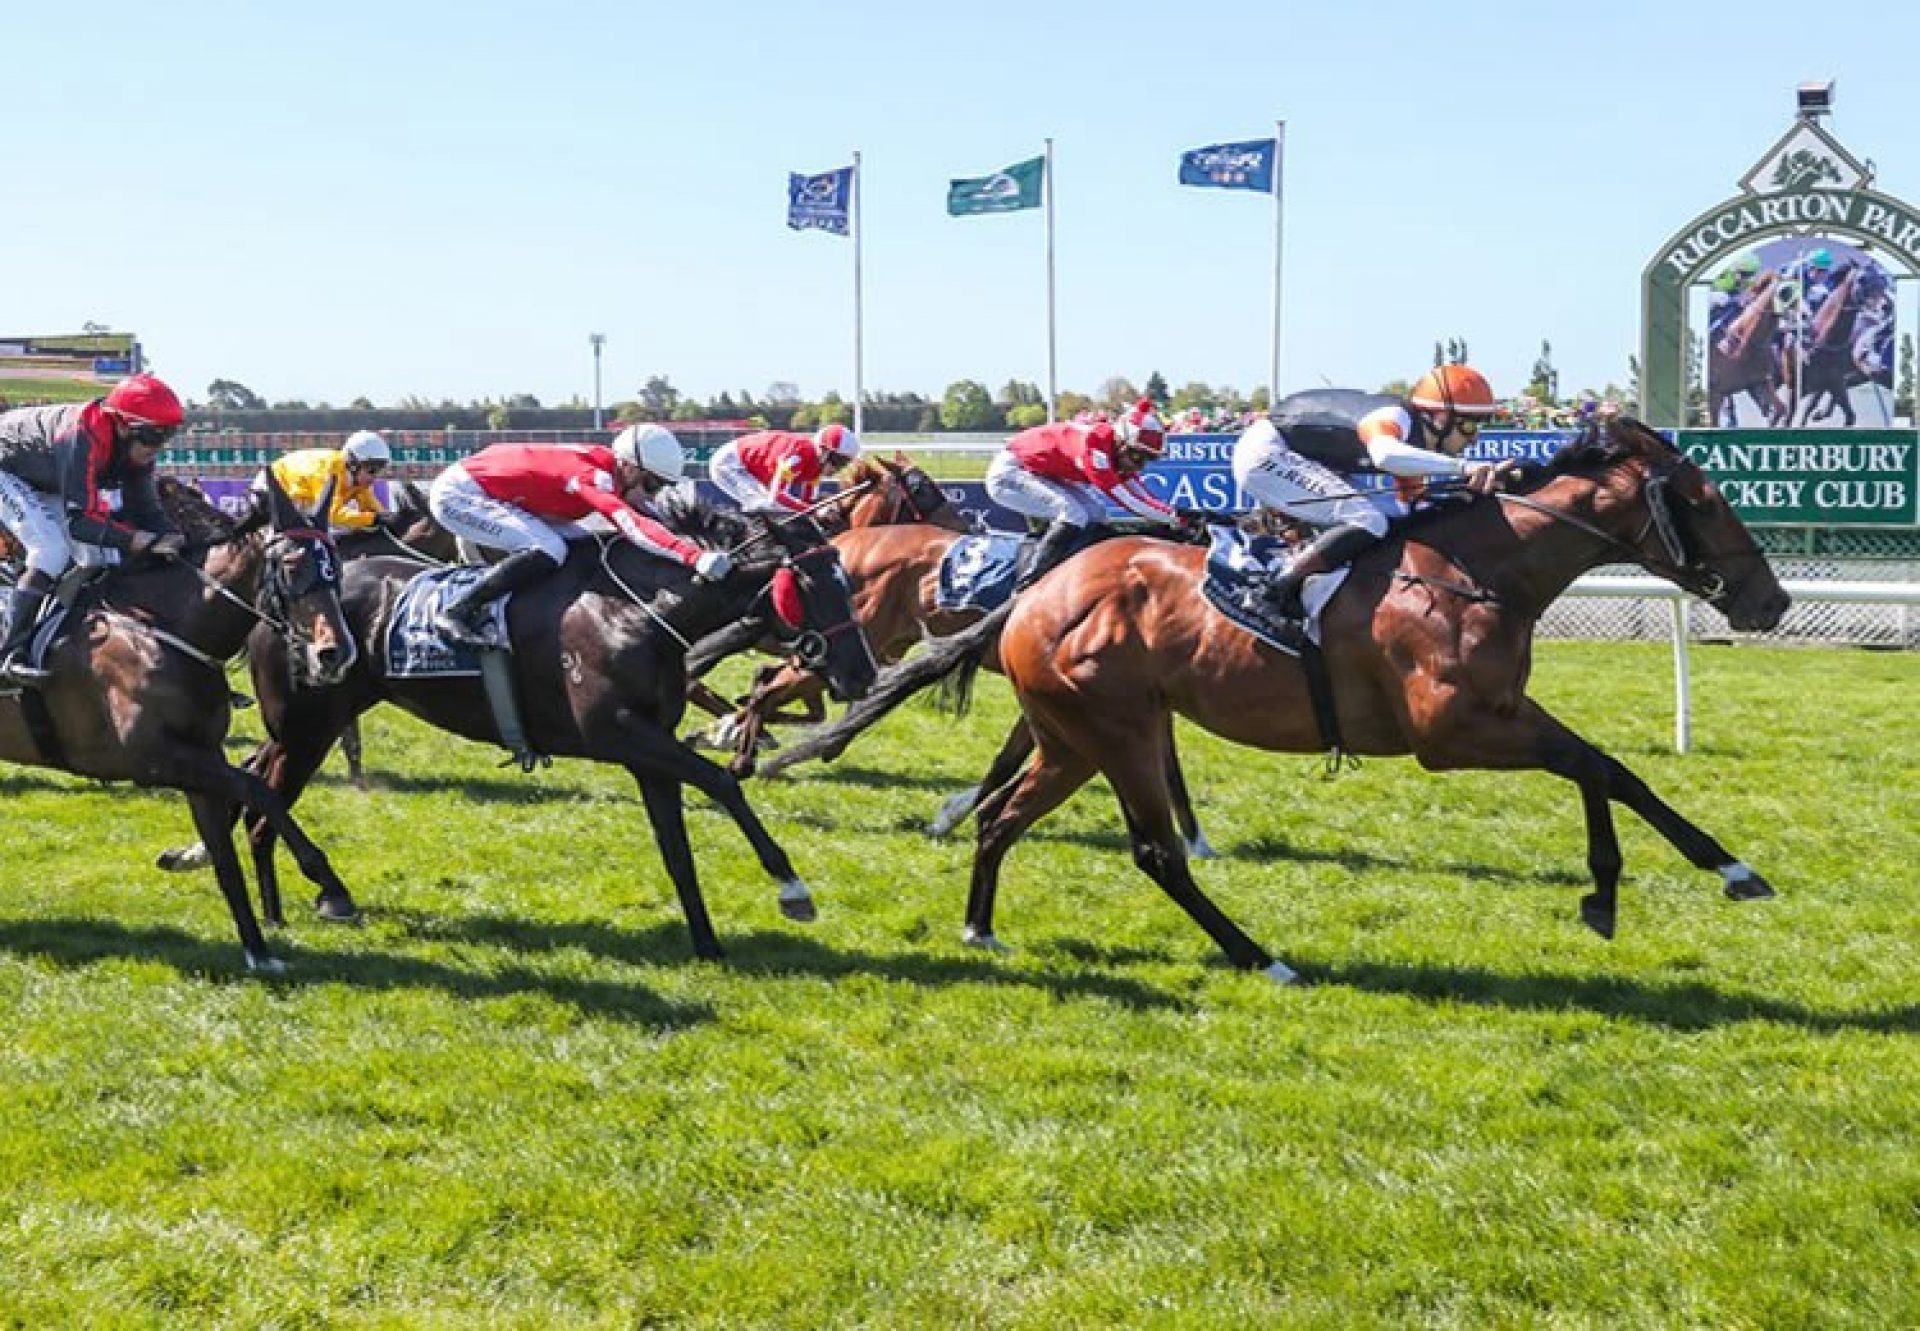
x: 1272, y: 849
x: 76, y: 942
x: 773, y: 953
x: 1689, y: 1006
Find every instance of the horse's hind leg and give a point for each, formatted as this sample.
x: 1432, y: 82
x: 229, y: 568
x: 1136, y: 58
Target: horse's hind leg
x: 1198, y: 847
x: 350, y: 749
x: 1005, y: 814
x: 213, y: 820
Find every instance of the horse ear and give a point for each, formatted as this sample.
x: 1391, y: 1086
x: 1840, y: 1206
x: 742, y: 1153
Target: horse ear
x: 279, y: 507
x: 323, y: 506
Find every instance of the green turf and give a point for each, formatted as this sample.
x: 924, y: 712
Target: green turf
x: 512, y: 1099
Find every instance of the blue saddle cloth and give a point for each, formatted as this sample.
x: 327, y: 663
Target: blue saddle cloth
x: 977, y: 572
x: 1238, y: 565
x: 418, y: 650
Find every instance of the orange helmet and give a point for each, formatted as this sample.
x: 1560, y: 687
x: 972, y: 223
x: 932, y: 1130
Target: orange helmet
x: 1458, y: 389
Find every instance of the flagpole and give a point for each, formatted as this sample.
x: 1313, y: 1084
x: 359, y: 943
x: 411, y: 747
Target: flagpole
x: 1279, y: 237
x: 1053, y: 393
x: 859, y: 367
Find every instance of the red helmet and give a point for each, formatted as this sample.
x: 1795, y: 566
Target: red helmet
x: 1139, y: 427
x: 144, y: 400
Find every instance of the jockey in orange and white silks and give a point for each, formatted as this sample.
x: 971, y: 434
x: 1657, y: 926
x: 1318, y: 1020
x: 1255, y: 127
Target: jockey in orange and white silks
x: 56, y: 463
x: 1301, y: 458
x: 1064, y: 473
x: 778, y: 469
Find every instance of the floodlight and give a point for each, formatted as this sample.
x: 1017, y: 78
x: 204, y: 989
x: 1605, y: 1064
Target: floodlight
x: 1815, y: 99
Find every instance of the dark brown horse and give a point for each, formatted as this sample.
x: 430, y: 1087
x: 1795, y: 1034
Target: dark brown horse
x: 1429, y: 644
x: 1744, y: 359
x: 139, y: 689
x: 598, y: 651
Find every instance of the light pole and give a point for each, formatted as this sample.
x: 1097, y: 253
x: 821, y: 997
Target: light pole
x: 598, y: 340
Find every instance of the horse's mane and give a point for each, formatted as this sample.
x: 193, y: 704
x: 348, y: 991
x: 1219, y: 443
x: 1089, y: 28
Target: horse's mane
x: 867, y: 469
x: 726, y: 528
x: 1602, y: 443
x: 199, y: 519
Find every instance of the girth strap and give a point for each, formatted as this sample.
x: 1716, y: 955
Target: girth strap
x: 496, y: 674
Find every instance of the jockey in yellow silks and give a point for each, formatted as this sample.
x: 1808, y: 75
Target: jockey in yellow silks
x: 305, y: 473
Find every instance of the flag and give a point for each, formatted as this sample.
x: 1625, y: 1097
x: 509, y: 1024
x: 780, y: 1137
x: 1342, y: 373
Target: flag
x: 1005, y: 191
x: 820, y: 203
x: 1232, y: 165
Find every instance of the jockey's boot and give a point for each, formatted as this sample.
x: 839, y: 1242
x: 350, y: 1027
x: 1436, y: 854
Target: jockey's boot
x: 1056, y: 543
x: 461, y: 620
x: 23, y: 613
x: 1329, y: 550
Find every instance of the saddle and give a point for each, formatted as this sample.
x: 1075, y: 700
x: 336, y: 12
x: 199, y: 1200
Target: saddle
x: 415, y: 649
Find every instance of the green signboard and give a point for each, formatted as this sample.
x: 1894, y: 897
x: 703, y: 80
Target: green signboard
x: 1843, y: 478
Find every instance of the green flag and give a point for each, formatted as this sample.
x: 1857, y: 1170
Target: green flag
x: 1005, y: 191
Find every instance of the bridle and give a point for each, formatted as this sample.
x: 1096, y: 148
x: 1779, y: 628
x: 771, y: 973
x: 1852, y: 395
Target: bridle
x: 810, y: 645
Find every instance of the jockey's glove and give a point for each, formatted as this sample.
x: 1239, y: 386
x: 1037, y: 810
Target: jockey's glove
x: 713, y: 565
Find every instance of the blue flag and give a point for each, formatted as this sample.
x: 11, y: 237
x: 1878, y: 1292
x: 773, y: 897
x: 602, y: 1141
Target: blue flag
x: 1232, y: 165
x: 820, y: 203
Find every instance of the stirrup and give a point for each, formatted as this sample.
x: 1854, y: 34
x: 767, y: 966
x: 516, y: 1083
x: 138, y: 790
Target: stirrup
x: 457, y: 631
x: 19, y: 670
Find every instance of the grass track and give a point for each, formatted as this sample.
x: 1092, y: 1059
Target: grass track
x: 512, y: 1099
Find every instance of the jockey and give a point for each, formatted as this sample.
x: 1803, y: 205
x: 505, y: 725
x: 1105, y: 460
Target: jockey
x: 521, y: 498
x: 305, y: 474
x: 1064, y: 473
x: 1300, y: 460
x: 1730, y: 294
x: 54, y: 464
x: 777, y: 469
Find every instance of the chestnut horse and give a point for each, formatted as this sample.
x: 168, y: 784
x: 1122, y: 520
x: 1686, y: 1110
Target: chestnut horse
x: 139, y: 687
x: 1429, y: 644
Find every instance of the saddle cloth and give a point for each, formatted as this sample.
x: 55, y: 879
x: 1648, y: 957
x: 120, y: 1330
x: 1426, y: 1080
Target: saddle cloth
x: 1238, y: 566
x: 416, y: 649
x: 977, y: 572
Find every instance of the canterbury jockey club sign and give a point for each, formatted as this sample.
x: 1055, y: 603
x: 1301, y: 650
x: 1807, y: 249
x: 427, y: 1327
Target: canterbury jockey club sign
x: 1864, y: 212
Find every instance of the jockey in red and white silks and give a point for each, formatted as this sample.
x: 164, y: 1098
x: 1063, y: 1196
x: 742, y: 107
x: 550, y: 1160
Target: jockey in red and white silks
x: 778, y: 469
x: 1065, y: 472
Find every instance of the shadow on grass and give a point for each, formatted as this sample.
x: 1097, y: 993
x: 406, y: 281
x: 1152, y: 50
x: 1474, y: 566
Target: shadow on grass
x: 1688, y: 1006
x: 851, y: 774
x: 1265, y: 849
x: 478, y: 789
x: 771, y: 953
x: 77, y: 942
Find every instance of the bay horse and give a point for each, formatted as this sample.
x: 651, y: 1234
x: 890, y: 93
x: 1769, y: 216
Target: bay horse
x: 139, y: 692
x: 599, y: 654
x: 1744, y: 359
x: 1429, y: 643
x: 1826, y: 367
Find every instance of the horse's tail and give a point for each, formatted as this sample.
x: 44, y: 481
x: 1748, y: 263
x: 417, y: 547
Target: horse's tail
x: 897, y: 683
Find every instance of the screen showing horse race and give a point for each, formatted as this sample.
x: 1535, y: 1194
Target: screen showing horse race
x: 1800, y: 332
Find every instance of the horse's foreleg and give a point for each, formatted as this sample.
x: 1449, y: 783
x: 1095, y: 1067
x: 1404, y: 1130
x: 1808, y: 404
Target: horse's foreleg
x: 647, y: 750
x: 773, y: 685
x: 703, y: 696
x: 285, y: 767
x: 350, y: 749
x: 998, y: 781
x: 213, y: 820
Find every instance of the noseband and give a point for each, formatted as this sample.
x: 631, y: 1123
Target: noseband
x: 810, y: 645
x: 279, y: 592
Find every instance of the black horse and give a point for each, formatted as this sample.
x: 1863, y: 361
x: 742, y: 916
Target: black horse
x: 139, y: 692
x: 599, y: 653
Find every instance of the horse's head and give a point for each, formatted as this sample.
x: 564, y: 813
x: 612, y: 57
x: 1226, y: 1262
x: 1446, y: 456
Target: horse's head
x: 1691, y: 536
x: 300, y: 589
x: 890, y: 494
x: 811, y: 598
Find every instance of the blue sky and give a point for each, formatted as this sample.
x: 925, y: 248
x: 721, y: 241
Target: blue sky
x: 393, y: 199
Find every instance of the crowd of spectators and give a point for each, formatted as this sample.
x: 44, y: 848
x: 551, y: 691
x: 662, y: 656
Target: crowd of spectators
x: 1530, y: 413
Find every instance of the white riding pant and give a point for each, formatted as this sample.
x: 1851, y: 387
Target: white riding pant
x: 1311, y: 492
x: 39, y: 522
x: 1075, y: 503
x: 459, y: 504
x: 726, y: 470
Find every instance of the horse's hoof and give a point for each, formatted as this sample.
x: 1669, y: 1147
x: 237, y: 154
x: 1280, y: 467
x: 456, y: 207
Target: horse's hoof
x: 1202, y: 849
x: 265, y: 965
x: 972, y: 937
x: 796, y: 903
x: 337, y: 910
x: 1751, y: 888
x: 953, y: 811
x: 1597, y: 917
x: 184, y: 859
x: 1281, y: 973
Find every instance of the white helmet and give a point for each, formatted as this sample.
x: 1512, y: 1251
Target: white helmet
x: 839, y: 439
x: 652, y: 448
x: 366, y: 446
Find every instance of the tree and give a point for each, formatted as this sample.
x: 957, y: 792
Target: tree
x: 688, y: 409
x: 1118, y: 393
x: 1457, y: 351
x: 1190, y: 395
x: 229, y: 395
x: 292, y: 404
x: 1903, y: 395
x: 524, y: 400
x: 1071, y: 404
x: 1544, y: 383
x: 1019, y: 393
x: 1260, y: 399
x: 499, y: 417
x: 361, y: 404
x: 967, y: 406
x: 1156, y: 391
x: 657, y: 398
x: 834, y: 410
x: 781, y: 393
x: 1395, y: 388
x: 1696, y: 411
x: 1026, y: 415
x: 1631, y: 403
